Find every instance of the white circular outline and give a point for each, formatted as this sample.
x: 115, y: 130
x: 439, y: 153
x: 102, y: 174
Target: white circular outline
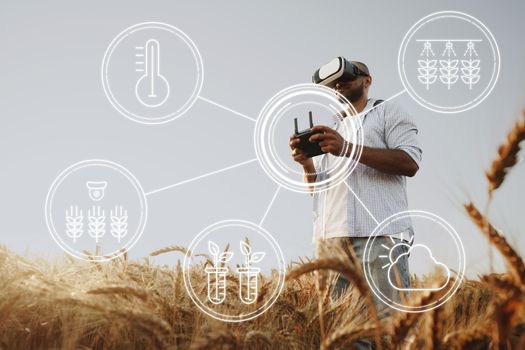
x: 49, y: 206
x: 273, y: 150
x: 269, y: 238
x: 429, y: 216
x: 260, y: 146
x: 271, y: 132
x: 495, y: 51
x: 189, y: 102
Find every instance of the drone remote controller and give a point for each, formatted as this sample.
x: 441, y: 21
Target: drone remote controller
x: 311, y: 149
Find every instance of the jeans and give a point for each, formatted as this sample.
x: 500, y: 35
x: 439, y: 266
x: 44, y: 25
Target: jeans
x: 377, y: 258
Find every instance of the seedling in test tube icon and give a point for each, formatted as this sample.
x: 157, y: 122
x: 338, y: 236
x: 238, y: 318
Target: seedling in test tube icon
x: 217, y: 274
x: 248, y: 275
x: 96, y: 190
x: 152, y: 88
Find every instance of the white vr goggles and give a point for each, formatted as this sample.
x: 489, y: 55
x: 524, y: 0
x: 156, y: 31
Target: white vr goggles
x: 337, y: 70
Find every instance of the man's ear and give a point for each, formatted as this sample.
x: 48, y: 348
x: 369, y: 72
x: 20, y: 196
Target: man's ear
x: 368, y: 81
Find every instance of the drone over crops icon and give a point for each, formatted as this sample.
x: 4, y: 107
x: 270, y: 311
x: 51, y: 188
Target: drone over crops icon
x: 96, y: 216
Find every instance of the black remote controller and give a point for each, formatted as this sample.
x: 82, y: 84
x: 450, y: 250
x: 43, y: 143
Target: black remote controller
x: 311, y: 149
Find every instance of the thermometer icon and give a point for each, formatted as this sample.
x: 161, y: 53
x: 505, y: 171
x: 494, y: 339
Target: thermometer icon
x: 152, y: 88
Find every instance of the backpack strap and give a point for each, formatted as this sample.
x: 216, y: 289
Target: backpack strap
x: 377, y: 102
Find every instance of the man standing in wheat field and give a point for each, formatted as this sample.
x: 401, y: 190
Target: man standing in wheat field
x: 345, y: 215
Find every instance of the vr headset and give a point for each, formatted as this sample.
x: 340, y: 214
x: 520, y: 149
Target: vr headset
x: 337, y: 70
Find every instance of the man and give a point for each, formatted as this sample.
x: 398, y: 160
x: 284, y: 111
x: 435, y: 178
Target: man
x: 390, y: 153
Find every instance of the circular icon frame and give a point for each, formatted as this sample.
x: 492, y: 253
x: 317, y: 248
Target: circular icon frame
x: 100, y: 163
x: 264, y: 147
x: 377, y: 233
x: 261, y: 309
x: 424, y: 102
x: 140, y: 118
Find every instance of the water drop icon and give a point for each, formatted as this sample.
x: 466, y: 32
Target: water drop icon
x: 152, y: 89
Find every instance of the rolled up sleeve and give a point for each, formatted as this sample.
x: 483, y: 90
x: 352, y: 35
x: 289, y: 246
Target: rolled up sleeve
x: 401, y: 132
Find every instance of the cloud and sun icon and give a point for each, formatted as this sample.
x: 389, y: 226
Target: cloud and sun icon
x: 394, y: 256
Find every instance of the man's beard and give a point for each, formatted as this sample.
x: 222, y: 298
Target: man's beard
x: 356, y: 93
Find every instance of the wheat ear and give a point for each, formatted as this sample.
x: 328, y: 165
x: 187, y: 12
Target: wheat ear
x: 171, y: 248
x: 514, y: 261
x: 122, y: 290
x: 507, y: 156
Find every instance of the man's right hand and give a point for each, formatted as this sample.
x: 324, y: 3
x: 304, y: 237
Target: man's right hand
x: 297, y: 154
x: 300, y: 157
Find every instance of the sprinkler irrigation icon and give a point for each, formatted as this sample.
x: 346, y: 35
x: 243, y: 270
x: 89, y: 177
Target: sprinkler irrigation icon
x: 449, y: 68
x: 449, y: 62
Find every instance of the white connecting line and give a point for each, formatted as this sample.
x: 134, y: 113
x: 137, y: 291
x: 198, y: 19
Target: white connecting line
x: 270, y: 205
x: 388, y: 99
x: 213, y: 172
x: 227, y: 109
x: 255, y: 159
x: 361, y: 202
x: 201, y: 176
x: 348, y: 186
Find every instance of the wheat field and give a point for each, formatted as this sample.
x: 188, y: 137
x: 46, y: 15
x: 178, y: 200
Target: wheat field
x: 123, y: 304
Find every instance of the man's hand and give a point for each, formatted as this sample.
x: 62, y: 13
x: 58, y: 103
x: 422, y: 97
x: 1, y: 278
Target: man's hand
x: 300, y: 157
x: 331, y: 141
x: 390, y: 161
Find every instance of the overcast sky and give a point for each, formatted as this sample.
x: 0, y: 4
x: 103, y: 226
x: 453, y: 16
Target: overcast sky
x: 55, y: 113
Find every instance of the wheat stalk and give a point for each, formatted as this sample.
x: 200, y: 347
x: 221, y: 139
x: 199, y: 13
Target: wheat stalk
x: 405, y: 322
x: 217, y: 340
x: 352, y: 274
x: 151, y: 325
x: 503, y: 284
x: 514, y: 261
x: 507, y: 156
x: 257, y: 340
x: 436, y: 328
x: 123, y: 290
x: 171, y: 248
x: 347, y: 335
x: 466, y: 339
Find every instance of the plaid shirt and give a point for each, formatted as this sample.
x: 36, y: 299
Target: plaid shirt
x: 387, y: 126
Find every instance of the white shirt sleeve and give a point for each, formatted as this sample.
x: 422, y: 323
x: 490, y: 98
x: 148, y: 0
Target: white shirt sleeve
x: 401, y: 131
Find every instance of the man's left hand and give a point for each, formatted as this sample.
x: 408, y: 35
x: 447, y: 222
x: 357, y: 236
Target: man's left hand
x: 331, y: 141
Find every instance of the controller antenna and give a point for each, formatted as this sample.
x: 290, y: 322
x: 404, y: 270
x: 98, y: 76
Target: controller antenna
x: 311, y: 120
